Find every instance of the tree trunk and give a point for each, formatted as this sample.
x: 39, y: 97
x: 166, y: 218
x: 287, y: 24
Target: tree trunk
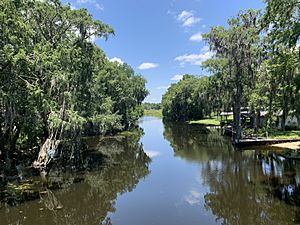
x: 258, y: 120
x: 238, y: 127
x: 298, y: 119
x: 43, y: 157
x: 284, y: 113
x: 237, y: 111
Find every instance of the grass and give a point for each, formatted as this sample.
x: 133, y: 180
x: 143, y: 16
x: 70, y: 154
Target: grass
x: 276, y: 134
x: 214, y: 120
x: 229, y: 118
x: 207, y: 121
x: 285, y: 134
x: 153, y: 112
x: 272, y: 135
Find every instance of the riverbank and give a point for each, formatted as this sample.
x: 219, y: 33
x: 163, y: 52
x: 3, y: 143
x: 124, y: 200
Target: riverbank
x: 207, y: 121
x: 289, y: 145
x: 282, y: 139
x: 284, y: 134
x: 213, y: 121
x: 295, y: 134
x: 153, y: 112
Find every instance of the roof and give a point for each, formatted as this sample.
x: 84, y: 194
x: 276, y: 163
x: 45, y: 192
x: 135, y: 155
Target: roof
x: 262, y: 113
x: 226, y: 113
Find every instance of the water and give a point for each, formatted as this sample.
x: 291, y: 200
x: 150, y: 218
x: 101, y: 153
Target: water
x: 175, y: 174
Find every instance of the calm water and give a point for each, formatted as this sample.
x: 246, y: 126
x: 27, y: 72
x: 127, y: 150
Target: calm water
x: 175, y: 174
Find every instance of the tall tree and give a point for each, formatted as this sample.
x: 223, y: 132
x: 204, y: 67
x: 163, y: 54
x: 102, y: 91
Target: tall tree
x: 236, y: 45
x: 281, y: 19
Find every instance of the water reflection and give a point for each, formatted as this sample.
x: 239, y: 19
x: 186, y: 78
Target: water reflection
x: 245, y: 187
x: 194, y: 197
x: 152, y: 154
x: 99, y: 180
x: 200, y: 180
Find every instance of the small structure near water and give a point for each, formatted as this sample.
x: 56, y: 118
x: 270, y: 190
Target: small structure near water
x: 247, y: 121
x: 247, y: 117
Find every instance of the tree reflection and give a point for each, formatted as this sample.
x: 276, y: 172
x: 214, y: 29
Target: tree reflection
x: 98, y: 184
x: 245, y: 186
x: 196, y: 143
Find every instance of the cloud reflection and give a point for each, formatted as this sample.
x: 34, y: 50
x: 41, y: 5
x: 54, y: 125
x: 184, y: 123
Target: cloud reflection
x: 194, y: 198
x: 153, y: 154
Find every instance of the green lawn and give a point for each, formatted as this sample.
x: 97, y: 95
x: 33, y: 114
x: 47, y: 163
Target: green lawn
x: 207, y: 121
x: 153, y: 112
x: 274, y: 134
x: 285, y: 134
x: 214, y: 120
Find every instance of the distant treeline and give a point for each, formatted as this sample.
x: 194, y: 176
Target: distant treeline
x: 151, y: 106
x: 255, y: 66
x: 56, y: 83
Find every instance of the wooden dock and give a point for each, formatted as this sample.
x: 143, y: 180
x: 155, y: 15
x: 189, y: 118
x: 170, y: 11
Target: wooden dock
x: 261, y: 141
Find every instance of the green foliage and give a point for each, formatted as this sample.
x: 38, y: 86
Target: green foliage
x: 55, y: 82
x: 282, y: 20
x: 238, y: 45
x: 255, y: 67
x: 187, y: 99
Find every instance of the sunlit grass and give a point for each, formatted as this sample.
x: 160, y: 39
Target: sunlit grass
x: 207, y: 121
x: 285, y: 134
x: 153, y: 112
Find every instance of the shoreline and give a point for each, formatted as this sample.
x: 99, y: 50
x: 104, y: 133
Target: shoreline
x: 289, y: 145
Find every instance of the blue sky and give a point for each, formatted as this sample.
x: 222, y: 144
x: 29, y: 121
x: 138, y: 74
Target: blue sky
x: 161, y: 39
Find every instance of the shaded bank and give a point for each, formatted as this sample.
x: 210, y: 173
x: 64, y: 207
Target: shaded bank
x: 82, y: 188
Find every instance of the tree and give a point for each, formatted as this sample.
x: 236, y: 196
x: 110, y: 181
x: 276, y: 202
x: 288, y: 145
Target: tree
x: 219, y: 84
x: 236, y: 45
x: 187, y: 99
x: 57, y: 84
x: 281, y: 19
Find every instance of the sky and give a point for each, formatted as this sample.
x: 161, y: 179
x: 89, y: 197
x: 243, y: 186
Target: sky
x: 161, y: 39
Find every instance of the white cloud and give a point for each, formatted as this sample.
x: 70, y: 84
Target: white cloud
x: 115, y: 59
x: 196, y: 37
x: 184, y: 15
x: 100, y: 7
x: 195, y: 59
x: 188, y: 19
x: 163, y: 87
x: 91, y: 2
x: 147, y: 65
x: 205, y: 48
x: 191, y: 21
x: 72, y: 7
x: 169, y: 12
x: 92, y: 38
x: 90, y: 32
x: 177, y: 77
